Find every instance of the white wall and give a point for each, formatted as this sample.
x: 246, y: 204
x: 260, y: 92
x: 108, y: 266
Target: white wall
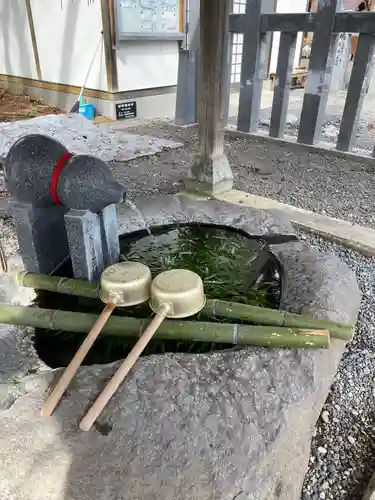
x: 287, y: 7
x: 16, y: 51
x: 146, y: 64
x: 67, y: 38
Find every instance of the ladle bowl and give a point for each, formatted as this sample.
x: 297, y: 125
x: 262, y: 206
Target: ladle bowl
x: 182, y: 290
x: 125, y: 284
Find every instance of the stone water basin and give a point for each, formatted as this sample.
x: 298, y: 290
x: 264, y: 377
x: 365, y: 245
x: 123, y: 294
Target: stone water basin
x: 233, y: 267
x: 228, y: 424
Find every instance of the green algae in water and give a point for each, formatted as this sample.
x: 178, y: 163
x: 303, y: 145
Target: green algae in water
x: 232, y: 266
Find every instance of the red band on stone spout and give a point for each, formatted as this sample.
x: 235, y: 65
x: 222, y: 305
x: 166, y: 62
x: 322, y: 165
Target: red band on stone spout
x: 55, y: 177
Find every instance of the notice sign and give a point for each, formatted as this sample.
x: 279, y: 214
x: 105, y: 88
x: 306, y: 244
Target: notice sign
x: 126, y: 110
x: 149, y: 17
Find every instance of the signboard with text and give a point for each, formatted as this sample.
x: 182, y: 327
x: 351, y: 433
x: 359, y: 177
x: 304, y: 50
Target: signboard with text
x: 126, y: 110
x: 148, y: 18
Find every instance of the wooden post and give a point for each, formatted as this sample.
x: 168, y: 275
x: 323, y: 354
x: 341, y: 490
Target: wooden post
x: 211, y: 172
x: 285, y: 63
x: 252, y: 69
x: 109, y: 48
x: 356, y: 91
x: 319, y: 74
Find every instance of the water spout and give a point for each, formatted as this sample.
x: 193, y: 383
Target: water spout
x: 140, y: 215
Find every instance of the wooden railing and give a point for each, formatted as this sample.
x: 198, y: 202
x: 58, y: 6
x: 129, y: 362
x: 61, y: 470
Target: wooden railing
x: 325, y: 24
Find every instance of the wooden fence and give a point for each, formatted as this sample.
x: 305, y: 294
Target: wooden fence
x: 326, y: 24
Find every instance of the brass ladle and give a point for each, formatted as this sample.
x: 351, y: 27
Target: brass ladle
x: 122, y: 285
x: 177, y: 293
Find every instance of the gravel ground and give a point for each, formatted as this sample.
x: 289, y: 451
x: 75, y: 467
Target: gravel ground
x: 8, y: 236
x: 364, y: 138
x: 343, y: 450
x: 326, y: 185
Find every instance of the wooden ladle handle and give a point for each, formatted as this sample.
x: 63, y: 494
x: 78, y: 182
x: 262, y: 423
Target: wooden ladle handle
x: 123, y: 370
x: 70, y: 371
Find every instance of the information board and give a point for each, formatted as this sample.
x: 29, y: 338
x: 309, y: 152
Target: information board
x: 158, y: 18
x: 126, y: 110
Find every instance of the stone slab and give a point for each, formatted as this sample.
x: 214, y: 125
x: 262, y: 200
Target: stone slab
x: 234, y: 424
x: 358, y: 238
x: 85, y: 242
x: 81, y: 136
x: 41, y: 236
x: 183, y: 209
x: 109, y: 235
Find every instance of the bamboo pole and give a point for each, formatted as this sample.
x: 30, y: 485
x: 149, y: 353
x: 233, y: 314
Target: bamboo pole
x: 235, y: 310
x: 79, y: 288
x: 338, y: 330
x: 266, y: 316
x: 269, y: 336
x: 215, y: 308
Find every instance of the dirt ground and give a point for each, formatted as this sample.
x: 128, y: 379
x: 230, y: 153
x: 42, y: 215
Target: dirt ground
x: 18, y: 106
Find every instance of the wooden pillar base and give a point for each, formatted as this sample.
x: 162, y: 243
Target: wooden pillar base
x: 209, y: 176
x: 211, y: 172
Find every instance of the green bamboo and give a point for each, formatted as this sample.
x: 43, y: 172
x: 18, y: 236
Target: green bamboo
x: 266, y: 316
x: 268, y: 336
x: 235, y: 310
x: 215, y: 308
x: 58, y: 284
x: 337, y: 330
